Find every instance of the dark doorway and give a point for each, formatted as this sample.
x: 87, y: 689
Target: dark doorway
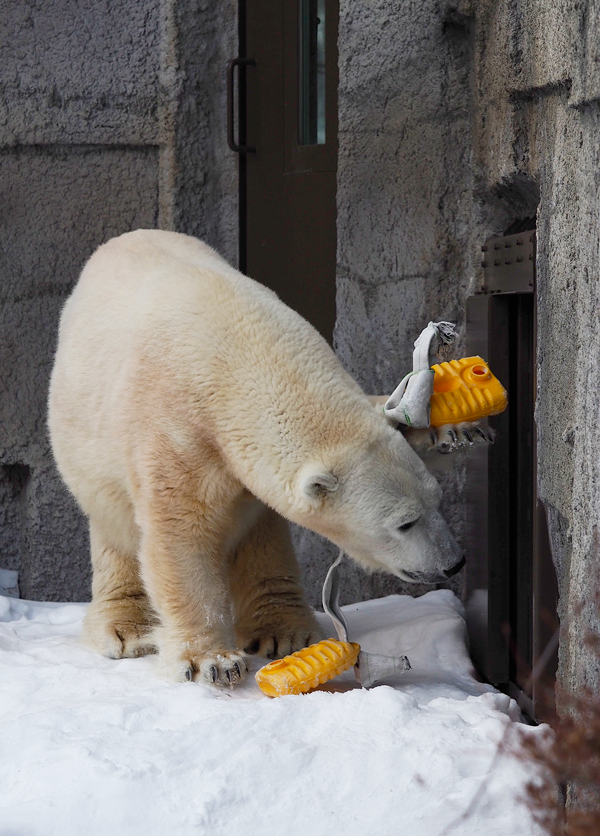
x: 288, y: 142
x: 513, y: 593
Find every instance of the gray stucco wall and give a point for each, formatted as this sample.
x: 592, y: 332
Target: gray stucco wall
x: 538, y: 119
x: 457, y: 118
x: 112, y: 117
x: 405, y: 184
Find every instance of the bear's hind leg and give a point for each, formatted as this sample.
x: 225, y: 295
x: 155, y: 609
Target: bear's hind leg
x: 271, y: 615
x: 119, y: 622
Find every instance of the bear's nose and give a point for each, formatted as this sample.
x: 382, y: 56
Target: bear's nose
x: 455, y: 569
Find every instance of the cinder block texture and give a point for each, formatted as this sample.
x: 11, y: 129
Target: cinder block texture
x: 79, y: 72
x: 58, y: 204
x: 112, y: 117
x: 455, y: 120
x: 198, y: 173
x: 405, y: 184
x: 537, y: 117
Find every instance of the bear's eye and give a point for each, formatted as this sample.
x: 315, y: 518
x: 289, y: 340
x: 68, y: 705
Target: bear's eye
x: 407, y: 526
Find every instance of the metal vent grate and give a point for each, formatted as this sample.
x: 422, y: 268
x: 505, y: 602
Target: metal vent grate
x: 509, y: 263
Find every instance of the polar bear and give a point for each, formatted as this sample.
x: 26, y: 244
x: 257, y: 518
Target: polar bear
x: 191, y: 413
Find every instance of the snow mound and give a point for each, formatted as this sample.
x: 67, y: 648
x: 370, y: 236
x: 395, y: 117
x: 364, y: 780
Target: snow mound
x: 94, y: 746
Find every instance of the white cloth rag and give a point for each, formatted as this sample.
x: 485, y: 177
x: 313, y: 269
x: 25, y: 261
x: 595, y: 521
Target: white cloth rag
x: 409, y: 402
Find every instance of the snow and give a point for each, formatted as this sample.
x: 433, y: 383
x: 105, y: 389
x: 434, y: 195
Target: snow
x: 90, y: 745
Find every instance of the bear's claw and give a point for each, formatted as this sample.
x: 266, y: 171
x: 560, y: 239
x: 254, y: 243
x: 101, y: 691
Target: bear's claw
x: 224, y: 671
x: 276, y: 647
x: 446, y: 439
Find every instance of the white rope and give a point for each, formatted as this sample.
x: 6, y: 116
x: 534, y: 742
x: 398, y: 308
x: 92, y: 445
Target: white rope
x: 370, y: 668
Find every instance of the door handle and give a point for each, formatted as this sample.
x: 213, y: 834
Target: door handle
x: 236, y: 62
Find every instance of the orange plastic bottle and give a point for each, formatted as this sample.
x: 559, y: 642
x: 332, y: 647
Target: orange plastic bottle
x: 305, y: 669
x: 465, y: 390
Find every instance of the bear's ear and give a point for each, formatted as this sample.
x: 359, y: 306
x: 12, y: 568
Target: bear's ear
x: 316, y: 482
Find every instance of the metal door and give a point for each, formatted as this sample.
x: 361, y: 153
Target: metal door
x: 288, y: 144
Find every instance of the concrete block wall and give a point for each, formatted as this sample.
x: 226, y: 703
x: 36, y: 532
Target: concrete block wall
x: 112, y: 117
x: 535, y: 132
x: 405, y: 184
x: 456, y: 118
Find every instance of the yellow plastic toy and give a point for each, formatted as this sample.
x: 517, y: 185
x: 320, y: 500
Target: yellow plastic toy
x: 465, y: 390
x: 305, y: 669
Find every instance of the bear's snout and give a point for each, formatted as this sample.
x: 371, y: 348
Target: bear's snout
x: 437, y: 577
x: 455, y: 569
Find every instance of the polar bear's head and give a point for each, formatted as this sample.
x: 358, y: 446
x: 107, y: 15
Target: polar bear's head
x: 381, y: 507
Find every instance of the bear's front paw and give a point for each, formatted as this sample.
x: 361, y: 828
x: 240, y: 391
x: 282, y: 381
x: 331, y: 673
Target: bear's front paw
x: 225, y: 668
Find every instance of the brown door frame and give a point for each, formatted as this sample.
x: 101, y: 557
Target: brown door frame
x: 287, y: 210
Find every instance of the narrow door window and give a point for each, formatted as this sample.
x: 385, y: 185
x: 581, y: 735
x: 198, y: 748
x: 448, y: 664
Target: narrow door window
x: 312, y: 72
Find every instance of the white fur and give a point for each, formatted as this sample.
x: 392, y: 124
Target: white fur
x: 187, y: 401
